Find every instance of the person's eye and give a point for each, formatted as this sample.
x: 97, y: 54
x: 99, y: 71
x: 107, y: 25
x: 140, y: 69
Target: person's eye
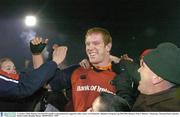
x: 8, y: 68
x: 87, y: 44
x: 96, y: 43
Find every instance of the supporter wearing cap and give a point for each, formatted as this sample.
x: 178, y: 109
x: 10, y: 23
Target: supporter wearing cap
x: 160, y: 79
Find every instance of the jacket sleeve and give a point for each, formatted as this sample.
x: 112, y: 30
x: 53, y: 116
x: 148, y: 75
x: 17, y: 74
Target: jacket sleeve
x: 62, y: 78
x: 125, y: 81
x: 29, y: 82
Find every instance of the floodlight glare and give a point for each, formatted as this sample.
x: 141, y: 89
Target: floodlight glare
x: 30, y: 21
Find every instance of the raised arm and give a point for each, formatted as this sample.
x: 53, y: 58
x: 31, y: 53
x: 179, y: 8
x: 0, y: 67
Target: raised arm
x: 26, y: 84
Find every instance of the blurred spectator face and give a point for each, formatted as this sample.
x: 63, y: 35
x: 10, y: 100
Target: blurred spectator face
x: 107, y: 102
x: 96, y: 49
x: 146, y: 82
x: 8, y: 66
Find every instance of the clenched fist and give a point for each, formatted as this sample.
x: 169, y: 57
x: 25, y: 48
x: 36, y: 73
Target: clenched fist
x: 59, y: 54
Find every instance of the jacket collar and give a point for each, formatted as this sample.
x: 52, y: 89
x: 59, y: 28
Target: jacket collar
x: 162, y: 96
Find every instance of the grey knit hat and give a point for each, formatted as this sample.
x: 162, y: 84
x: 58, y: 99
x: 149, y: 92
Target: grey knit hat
x: 165, y: 61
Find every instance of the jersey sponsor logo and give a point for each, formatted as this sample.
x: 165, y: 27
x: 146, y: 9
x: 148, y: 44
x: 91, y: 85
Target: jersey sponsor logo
x: 93, y: 88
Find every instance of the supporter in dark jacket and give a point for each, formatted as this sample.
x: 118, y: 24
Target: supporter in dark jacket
x: 159, y: 84
x: 15, y: 87
x: 127, y: 83
x: 25, y: 84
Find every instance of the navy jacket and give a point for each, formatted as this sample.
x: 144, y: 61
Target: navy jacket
x: 28, y: 83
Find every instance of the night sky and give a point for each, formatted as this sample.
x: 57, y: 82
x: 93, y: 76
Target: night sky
x: 134, y: 25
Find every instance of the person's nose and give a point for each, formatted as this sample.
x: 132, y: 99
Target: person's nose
x: 90, y: 47
x: 14, y: 71
x: 139, y: 69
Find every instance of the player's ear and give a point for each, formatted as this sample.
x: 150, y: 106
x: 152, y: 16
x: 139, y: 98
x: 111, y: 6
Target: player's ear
x: 108, y: 47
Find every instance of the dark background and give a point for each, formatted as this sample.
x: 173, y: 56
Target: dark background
x: 134, y: 25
